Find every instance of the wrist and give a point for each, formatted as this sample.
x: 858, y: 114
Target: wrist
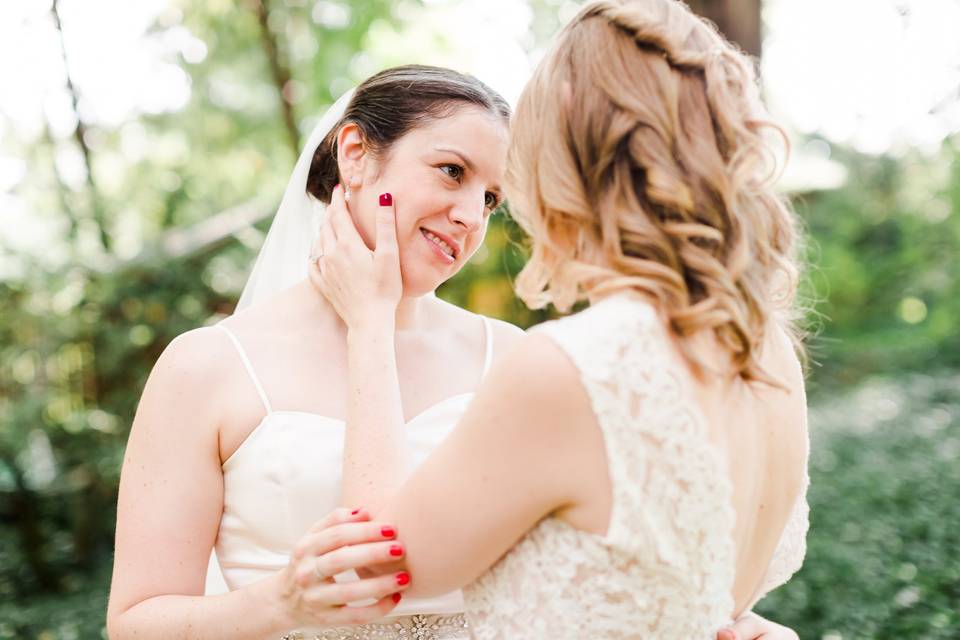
x: 373, y: 326
x: 272, y: 597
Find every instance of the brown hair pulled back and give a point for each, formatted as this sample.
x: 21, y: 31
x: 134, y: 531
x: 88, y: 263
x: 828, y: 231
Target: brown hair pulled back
x: 390, y: 104
x: 638, y: 161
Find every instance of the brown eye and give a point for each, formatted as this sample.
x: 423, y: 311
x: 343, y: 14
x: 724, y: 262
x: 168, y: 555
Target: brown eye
x: 455, y: 171
x: 491, y: 201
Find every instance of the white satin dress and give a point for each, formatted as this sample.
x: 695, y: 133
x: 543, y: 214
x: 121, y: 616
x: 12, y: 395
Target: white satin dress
x: 286, y: 475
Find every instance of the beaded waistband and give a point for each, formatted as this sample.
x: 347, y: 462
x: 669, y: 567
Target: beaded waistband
x: 416, y: 627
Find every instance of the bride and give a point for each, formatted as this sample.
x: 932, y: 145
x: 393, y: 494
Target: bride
x: 238, y: 441
x: 592, y: 487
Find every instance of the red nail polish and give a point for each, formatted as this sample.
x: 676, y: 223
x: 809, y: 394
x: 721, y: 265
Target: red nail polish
x: 403, y: 578
x: 355, y: 512
x: 388, y: 532
x: 396, y: 550
x: 386, y: 199
x: 396, y: 597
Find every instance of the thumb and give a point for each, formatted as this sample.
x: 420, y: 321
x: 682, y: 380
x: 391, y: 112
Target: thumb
x: 386, y: 227
x: 727, y: 634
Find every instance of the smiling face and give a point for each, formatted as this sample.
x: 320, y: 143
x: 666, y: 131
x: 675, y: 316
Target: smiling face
x: 445, y: 180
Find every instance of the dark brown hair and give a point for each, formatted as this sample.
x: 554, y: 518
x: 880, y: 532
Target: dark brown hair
x: 390, y: 104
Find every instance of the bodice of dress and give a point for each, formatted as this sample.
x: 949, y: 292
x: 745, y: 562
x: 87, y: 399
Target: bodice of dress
x: 665, y: 568
x: 286, y: 475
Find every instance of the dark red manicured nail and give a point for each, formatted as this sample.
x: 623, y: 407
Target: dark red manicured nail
x: 388, y: 532
x: 355, y: 512
x: 386, y: 199
x: 396, y: 597
x: 396, y: 550
x: 403, y: 578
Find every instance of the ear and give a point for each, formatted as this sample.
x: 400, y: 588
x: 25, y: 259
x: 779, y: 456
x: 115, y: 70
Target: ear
x: 351, y: 154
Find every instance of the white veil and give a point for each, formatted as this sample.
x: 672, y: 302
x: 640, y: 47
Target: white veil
x: 282, y: 261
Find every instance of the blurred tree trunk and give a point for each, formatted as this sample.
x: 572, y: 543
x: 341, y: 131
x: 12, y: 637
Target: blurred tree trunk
x: 32, y: 539
x: 738, y: 20
x: 96, y: 206
x: 279, y: 71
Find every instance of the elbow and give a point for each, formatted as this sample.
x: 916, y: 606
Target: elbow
x: 115, y: 628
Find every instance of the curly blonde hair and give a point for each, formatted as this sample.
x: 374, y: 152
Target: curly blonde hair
x: 638, y: 161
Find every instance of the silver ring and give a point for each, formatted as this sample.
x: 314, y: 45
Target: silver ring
x: 316, y: 568
x: 315, y: 256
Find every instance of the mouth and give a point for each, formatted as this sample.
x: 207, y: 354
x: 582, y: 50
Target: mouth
x: 444, y: 244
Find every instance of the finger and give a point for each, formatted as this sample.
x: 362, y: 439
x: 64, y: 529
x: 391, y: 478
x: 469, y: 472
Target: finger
x: 338, y: 516
x: 342, y: 222
x: 727, y: 634
x: 328, y: 238
x: 386, y: 227
x: 359, y: 555
x: 361, y: 615
x: 335, y: 536
x: 337, y: 594
x: 751, y: 627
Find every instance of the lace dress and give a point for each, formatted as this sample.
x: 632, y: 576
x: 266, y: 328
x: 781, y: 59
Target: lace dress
x: 665, y: 568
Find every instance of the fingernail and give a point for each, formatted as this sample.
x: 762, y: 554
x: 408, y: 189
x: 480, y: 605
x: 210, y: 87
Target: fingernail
x: 396, y: 597
x: 396, y: 550
x: 355, y: 512
x: 386, y: 199
x: 388, y: 532
x: 403, y: 578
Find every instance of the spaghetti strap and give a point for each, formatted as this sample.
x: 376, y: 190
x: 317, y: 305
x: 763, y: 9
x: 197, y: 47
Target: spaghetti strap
x: 488, y: 339
x: 247, y: 366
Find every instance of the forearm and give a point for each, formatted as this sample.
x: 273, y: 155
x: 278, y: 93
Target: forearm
x: 376, y: 456
x: 250, y: 613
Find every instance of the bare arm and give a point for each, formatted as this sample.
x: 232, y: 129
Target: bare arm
x: 364, y: 288
x: 170, y: 503
x: 474, y: 530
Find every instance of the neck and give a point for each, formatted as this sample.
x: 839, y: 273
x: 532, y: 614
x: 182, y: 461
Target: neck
x: 410, y: 310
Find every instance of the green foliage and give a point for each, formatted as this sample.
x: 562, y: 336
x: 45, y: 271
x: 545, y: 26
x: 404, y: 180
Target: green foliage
x: 77, y: 338
x: 884, y: 267
x: 884, y: 541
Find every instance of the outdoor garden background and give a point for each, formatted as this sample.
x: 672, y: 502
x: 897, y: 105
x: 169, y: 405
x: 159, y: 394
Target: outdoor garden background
x: 143, y: 149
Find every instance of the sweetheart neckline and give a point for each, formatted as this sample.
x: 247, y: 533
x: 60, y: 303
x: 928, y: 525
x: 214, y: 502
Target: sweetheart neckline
x: 339, y: 421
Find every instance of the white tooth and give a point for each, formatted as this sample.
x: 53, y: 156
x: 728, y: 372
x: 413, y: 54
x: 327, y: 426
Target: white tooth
x: 440, y: 243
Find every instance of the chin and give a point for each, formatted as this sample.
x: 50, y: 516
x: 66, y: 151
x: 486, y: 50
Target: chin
x: 417, y: 284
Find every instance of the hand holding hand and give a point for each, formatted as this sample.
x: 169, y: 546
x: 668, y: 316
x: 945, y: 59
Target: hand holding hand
x: 306, y: 592
x: 750, y: 626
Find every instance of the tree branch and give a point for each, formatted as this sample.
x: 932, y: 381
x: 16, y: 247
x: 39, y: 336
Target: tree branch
x: 279, y: 71
x: 96, y: 206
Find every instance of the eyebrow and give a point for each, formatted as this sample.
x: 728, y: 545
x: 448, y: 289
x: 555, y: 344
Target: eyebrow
x: 467, y: 162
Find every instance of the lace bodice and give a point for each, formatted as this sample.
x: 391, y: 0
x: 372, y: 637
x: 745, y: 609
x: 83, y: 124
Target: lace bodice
x: 665, y: 568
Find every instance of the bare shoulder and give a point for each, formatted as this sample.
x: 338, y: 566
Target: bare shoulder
x: 779, y: 356
x: 194, y: 355
x: 537, y: 373
x: 188, y: 378
x: 506, y: 336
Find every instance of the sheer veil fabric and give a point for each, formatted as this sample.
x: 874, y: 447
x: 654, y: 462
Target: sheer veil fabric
x: 282, y: 261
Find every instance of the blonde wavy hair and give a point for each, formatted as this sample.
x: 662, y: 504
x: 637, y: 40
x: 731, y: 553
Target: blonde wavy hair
x: 638, y: 160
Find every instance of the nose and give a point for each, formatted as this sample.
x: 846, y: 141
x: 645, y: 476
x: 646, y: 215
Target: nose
x: 468, y: 212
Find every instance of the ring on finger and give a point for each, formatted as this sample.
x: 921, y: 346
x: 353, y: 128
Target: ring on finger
x: 315, y: 256
x: 316, y: 569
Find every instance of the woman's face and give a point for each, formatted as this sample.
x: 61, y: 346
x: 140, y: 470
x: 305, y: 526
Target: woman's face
x: 445, y: 181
